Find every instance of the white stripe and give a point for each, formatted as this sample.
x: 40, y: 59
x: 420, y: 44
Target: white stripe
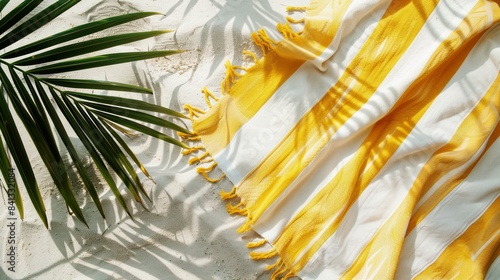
x: 494, y: 271
x: 297, y: 95
x: 367, y: 216
x: 450, y: 218
x: 452, y: 173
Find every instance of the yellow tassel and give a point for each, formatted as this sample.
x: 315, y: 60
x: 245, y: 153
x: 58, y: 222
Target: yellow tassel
x: 191, y: 150
x: 263, y: 35
x: 280, y: 270
x: 208, y: 168
x: 251, y: 54
x: 256, y: 244
x: 261, y: 39
x: 230, y: 206
x: 207, y: 94
x: 239, y: 211
x: 205, y: 170
x: 288, y: 275
x: 212, y: 180
x: 258, y: 42
x: 198, y: 159
x: 206, y: 159
x: 272, y: 266
x: 292, y: 20
x: 231, y: 75
x: 296, y: 8
x: 228, y: 195
x: 184, y: 135
x: 287, y: 31
x: 189, y: 137
x: 246, y: 227
x: 235, y: 209
x: 193, y: 111
x: 263, y: 255
x: 194, y: 138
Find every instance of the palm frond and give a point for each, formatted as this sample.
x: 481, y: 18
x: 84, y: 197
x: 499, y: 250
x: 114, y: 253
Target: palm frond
x: 75, y: 33
x: 35, y: 22
x: 99, y: 61
x: 45, y: 106
x: 88, y: 47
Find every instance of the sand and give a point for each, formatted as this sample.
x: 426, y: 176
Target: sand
x: 185, y: 233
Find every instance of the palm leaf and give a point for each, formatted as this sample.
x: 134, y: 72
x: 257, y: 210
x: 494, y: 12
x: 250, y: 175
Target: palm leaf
x: 136, y: 115
x: 93, y: 84
x: 125, y: 102
x: 99, y: 61
x: 3, y: 3
x: 17, y: 150
x: 44, y: 106
x: 139, y: 127
x: 127, y: 149
x: 17, y: 14
x: 70, y: 147
x: 78, y: 126
x: 76, y: 32
x: 47, y: 149
x: 6, y: 168
x: 88, y: 47
x: 36, y: 21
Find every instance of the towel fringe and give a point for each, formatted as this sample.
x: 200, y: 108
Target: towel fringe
x: 246, y: 227
x: 287, y: 31
x: 189, y: 137
x: 208, y: 94
x: 231, y: 75
x: 250, y: 54
x: 207, y: 168
x: 256, y: 244
x: 203, y: 158
x: 263, y: 255
x: 203, y: 171
x: 199, y: 159
x: 292, y: 20
x: 281, y: 268
x: 194, y: 112
x: 296, y: 8
x: 262, y: 40
x: 213, y: 180
x: 191, y: 150
x: 236, y: 209
x: 228, y: 195
x: 273, y: 266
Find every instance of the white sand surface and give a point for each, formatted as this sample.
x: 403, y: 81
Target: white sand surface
x: 186, y: 234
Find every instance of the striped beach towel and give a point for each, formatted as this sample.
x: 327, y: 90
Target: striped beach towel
x: 365, y: 143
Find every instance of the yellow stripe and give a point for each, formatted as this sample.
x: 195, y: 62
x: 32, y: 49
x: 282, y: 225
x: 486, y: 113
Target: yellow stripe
x: 468, y: 139
x: 479, y: 241
x: 218, y: 126
x: 334, y: 197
